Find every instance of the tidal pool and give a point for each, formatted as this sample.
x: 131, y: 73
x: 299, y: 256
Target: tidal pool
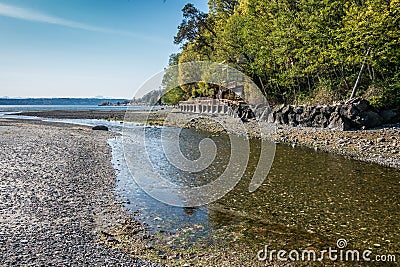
x: 309, y: 200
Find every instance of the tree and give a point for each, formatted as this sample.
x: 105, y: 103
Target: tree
x: 304, y: 50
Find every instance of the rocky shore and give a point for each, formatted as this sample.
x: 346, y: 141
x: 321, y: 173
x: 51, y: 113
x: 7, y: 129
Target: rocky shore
x: 354, y: 114
x: 153, y: 117
x: 379, y: 145
x: 57, y: 196
x: 58, y: 203
x: 74, y: 114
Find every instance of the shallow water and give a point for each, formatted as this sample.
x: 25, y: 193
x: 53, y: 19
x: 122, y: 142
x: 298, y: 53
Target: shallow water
x: 308, y: 199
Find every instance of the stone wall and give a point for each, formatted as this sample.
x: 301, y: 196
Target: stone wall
x: 354, y: 114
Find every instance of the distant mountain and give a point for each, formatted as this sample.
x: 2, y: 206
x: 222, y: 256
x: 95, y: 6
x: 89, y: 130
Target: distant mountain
x: 60, y: 101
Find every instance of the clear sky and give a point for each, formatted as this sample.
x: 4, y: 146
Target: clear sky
x: 85, y: 48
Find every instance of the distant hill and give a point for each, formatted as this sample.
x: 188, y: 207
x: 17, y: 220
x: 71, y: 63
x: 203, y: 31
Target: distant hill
x: 59, y: 101
x: 151, y: 98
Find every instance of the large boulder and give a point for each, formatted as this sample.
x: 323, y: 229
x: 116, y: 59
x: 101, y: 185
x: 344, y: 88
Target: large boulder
x: 360, y: 114
x: 360, y: 104
x: 349, y: 112
x: 390, y: 116
x: 372, y: 119
x: 337, y: 122
x: 281, y: 114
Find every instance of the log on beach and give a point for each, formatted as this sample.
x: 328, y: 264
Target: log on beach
x: 56, y: 196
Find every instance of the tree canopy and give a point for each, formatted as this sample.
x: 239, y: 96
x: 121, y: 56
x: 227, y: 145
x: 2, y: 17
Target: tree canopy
x: 304, y: 51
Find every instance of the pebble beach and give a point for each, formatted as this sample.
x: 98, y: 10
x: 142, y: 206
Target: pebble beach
x: 57, y: 196
x: 379, y: 145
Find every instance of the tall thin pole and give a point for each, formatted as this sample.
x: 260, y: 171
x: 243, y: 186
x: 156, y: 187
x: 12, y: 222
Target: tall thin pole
x: 353, y: 93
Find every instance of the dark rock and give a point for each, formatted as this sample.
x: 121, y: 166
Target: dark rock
x: 320, y: 121
x: 337, y: 122
x: 279, y: 118
x: 338, y: 108
x: 261, y: 112
x: 292, y: 119
x: 287, y: 110
x: 373, y: 119
x: 281, y: 115
x: 388, y: 115
x: 327, y: 109
x: 357, y: 113
x: 361, y: 104
x: 349, y: 112
x: 298, y: 110
x: 100, y: 128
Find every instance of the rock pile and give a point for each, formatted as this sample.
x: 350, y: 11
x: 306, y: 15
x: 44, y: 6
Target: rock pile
x: 354, y: 114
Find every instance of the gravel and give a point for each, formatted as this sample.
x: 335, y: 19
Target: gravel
x: 57, y: 196
x: 379, y: 145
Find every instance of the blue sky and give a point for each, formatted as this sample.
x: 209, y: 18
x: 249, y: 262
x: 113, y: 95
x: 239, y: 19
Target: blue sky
x: 85, y: 48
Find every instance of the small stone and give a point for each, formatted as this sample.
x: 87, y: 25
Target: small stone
x: 380, y: 139
x: 377, y: 245
x: 100, y: 128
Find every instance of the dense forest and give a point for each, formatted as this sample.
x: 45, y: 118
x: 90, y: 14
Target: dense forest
x: 298, y: 52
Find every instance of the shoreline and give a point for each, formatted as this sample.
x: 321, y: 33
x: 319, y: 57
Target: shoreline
x: 65, y: 211
x: 58, y: 196
x: 115, y: 230
x: 380, y: 145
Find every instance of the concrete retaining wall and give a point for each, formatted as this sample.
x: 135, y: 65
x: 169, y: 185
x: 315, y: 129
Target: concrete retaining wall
x: 210, y: 106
